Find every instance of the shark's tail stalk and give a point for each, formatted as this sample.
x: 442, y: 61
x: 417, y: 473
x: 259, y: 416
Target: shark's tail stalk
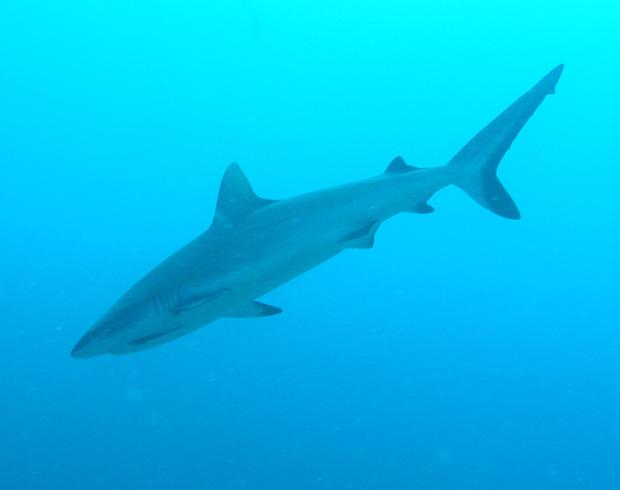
x: 475, y: 165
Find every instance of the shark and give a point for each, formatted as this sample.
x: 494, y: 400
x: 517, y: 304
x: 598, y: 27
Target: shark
x: 254, y: 245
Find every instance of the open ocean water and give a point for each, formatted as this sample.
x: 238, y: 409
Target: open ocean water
x: 464, y: 351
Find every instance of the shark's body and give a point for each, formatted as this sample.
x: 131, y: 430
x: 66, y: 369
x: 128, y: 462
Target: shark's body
x: 255, y: 245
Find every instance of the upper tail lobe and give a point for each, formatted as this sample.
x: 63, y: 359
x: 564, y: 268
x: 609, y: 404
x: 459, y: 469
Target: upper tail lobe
x: 475, y: 165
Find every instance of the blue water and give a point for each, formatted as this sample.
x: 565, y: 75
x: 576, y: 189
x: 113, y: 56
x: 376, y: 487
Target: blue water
x: 463, y: 352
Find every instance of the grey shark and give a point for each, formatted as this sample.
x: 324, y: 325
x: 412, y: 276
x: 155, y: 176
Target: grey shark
x: 255, y: 245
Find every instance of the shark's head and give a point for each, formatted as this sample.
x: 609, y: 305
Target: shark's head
x: 139, y: 322
x: 94, y: 342
x: 121, y: 326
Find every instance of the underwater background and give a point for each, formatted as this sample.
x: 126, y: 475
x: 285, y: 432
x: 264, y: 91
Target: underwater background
x: 463, y: 352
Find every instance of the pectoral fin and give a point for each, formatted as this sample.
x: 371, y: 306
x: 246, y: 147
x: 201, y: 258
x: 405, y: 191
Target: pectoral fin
x: 254, y: 309
x: 148, y: 338
x: 422, y: 208
x: 191, y: 302
x: 363, y: 237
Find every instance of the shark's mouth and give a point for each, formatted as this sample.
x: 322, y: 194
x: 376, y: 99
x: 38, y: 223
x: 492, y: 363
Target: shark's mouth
x: 148, y: 338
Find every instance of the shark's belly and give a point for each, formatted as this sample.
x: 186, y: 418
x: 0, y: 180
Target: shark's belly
x: 245, y: 264
x: 281, y: 259
x: 274, y: 273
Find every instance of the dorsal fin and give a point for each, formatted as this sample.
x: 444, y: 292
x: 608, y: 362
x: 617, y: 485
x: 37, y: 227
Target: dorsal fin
x: 236, y: 197
x: 398, y: 166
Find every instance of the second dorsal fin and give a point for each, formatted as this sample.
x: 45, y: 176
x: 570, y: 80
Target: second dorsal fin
x: 236, y: 197
x: 398, y: 166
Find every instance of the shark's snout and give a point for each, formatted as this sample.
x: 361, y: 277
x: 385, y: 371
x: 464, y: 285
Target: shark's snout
x: 106, y: 333
x: 98, y: 340
x: 89, y: 346
x: 133, y: 324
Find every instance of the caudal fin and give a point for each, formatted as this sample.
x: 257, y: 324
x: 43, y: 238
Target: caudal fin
x: 475, y: 165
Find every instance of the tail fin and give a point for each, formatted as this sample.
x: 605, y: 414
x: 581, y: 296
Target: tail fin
x: 475, y: 165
